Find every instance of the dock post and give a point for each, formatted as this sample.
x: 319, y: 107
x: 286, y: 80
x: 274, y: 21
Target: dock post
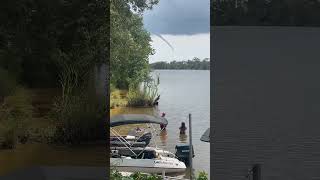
x: 191, y: 148
x: 163, y: 175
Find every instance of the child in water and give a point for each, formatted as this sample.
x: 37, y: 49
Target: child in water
x: 183, y: 128
x: 162, y: 126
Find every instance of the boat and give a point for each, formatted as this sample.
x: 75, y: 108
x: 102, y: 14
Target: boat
x: 131, y: 140
x: 147, y: 160
x: 141, y: 152
x: 142, y: 159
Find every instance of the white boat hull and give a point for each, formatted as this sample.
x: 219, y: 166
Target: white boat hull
x: 156, y: 166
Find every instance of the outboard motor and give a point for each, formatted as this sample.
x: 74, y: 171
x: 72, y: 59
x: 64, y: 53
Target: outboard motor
x: 182, y: 153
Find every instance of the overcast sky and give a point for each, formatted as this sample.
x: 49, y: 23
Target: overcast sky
x: 185, y: 24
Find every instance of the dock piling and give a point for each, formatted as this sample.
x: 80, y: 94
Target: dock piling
x: 163, y: 175
x: 190, y: 149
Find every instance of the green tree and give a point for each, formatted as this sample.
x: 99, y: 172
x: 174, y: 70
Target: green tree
x: 130, y: 42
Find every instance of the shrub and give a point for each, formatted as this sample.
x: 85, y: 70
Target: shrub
x: 202, y: 176
x: 145, y: 95
x: 140, y: 176
x: 115, y: 175
x: 136, y: 97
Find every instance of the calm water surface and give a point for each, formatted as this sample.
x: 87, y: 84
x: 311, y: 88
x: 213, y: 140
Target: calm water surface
x: 182, y: 92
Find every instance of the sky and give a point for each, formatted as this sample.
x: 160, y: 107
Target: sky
x: 184, y: 24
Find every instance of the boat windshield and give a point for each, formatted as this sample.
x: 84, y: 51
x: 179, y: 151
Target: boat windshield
x: 135, y: 153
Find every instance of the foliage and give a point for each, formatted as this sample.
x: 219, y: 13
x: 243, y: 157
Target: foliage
x: 15, y: 112
x: 202, y: 176
x: 115, y: 175
x: 140, y: 176
x: 266, y: 12
x: 195, y: 63
x: 57, y: 44
x: 144, y: 96
x: 112, y: 87
x: 137, y: 98
x: 130, y: 42
x: 32, y: 51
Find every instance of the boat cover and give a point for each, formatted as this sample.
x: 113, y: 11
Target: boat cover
x: 124, y: 119
x: 206, y: 136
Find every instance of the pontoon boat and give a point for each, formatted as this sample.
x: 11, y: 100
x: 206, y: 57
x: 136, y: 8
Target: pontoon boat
x: 146, y: 159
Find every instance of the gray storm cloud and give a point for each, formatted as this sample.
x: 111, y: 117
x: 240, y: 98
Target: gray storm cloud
x: 179, y: 17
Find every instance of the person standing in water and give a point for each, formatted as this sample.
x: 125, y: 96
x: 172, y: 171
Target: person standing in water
x: 163, y: 126
x: 183, y: 128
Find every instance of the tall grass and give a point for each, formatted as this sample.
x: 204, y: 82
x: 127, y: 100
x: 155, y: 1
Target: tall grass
x: 79, y: 113
x: 78, y: 118
x: 144, y: 94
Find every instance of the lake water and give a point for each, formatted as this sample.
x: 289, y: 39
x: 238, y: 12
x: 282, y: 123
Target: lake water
x: 183, y: 92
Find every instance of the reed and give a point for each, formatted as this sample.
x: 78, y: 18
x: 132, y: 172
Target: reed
x: 143, y: 94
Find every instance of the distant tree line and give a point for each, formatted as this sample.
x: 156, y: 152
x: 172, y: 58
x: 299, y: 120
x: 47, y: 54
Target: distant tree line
x: 265, y: 12
x: 195, y: 63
